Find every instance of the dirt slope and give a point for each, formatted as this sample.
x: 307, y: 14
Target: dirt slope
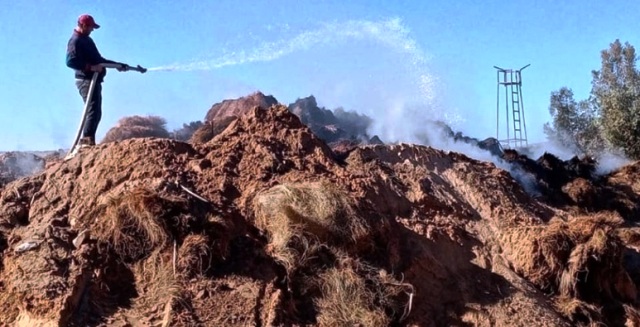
x: 264, y: 225
x: 237, y: 107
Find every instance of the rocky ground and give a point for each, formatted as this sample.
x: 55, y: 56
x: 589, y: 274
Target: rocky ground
x: 258, y: 222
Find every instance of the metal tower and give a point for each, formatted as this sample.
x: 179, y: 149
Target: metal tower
x: 512, y: 82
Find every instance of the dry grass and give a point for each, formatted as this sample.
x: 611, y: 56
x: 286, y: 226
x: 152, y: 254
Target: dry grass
x: 543, y: 253
x: 597, y: 257
x: 131, y: 224
x: 580, y: 261
x: 632, y: 315
x: 346, y: 301
x: 315, y: 231
x: 356, y: 294
x: 194, y: 256
x: 541, y: 259
x: 295, y: 216
x: 630, y: 236
x: 158, y: 288
x: 580, y: 312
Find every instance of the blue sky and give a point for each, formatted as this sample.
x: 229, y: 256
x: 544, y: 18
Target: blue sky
x: 399, y: 62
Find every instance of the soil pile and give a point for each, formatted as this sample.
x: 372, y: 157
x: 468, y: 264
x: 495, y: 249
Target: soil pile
x: 335, y: 126
x: 263, y: 224
x: 574, y: 186
x: 237, y: 107
x: 331, y: 126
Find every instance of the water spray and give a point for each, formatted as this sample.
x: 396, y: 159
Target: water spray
x: 389, y: 33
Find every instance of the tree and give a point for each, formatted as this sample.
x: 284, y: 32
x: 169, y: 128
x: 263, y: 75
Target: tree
x: 137, y: 126
x: 616, y: 94
x: 575, y: 124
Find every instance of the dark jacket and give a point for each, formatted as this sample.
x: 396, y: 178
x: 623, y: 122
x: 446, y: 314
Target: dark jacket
x: 82, y: 53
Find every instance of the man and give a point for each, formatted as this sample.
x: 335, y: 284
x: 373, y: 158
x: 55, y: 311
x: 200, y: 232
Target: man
x: 83, y: 56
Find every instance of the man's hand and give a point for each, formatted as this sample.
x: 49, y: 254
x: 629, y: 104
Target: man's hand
x: 123, y: 68
x: 97, y: 68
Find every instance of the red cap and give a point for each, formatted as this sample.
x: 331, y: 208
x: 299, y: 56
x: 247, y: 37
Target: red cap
x: 87, y: 20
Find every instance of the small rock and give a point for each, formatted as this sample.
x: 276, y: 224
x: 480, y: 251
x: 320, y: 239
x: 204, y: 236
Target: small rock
x: 26, y: 246
x: 82, y: 236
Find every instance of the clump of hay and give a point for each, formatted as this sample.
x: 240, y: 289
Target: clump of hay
x: 158, y: 288
x: 346, y: 301
x: 632, y: 315
x: 578, y: 311
x: 582, y: 192
x: 194, y: 256
x: 317, y: 233
x: 300, y: 215
x: 598, y: 260
x: 579, y: 261
x: 540, y: 259
x: 132, y: 224
x: 355, y: 294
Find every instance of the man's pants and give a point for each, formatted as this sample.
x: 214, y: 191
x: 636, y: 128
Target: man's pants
x: 94, y: 110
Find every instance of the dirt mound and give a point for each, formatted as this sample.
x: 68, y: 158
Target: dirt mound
x: 580, y: 262
x: 622, y: 191
x: 573, y: 184
x: 237, y: 107
x: 331, y: 126
x: 210, y: 129
x: 551, y: 174
x: 137, y: 127
x: 321, y: 121
x: 263, y: 224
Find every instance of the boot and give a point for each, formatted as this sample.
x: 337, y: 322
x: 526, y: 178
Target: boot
x: 86, y: 141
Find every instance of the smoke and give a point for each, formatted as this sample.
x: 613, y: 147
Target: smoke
x: 14, y: 165
x: 357, y: 124
x: 608, y: 162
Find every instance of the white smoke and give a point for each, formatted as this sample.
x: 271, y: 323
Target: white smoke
x: 14, y: 165
x: 608, y: 162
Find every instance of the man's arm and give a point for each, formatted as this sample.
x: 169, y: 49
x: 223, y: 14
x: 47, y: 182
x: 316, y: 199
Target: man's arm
x: 107, y: 61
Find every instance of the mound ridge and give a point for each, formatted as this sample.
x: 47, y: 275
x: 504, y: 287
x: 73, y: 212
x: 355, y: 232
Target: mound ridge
x: 263, y: 224
x: 237, y: 107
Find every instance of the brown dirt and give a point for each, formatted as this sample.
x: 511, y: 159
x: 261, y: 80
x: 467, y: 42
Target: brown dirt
x: 238, y: 107
x: 281, y: 231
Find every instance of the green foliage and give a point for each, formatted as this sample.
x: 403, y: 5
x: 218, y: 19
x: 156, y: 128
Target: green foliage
x: 575, y: 124
x: 610, y: 118
x: 616, y: 90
